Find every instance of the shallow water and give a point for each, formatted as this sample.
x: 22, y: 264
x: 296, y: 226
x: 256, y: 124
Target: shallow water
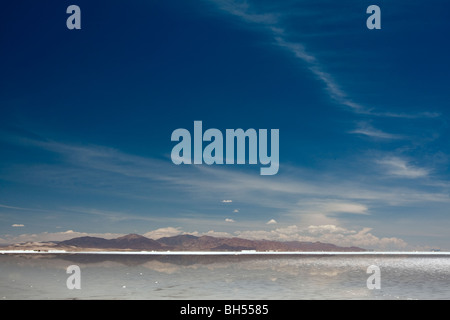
x: 36, y: 276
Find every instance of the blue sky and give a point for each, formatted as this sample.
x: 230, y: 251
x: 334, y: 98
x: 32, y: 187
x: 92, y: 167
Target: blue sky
x: 86, y: 118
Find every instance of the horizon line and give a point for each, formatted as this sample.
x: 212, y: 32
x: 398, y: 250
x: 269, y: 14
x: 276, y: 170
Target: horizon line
x: 243, y: 252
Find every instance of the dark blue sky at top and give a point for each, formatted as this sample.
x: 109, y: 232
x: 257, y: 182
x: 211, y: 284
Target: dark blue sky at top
x: 138, y: 70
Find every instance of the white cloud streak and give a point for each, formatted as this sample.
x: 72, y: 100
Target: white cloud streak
x: 282, y: 193
x: 398, y: 167
x: 367, y: 130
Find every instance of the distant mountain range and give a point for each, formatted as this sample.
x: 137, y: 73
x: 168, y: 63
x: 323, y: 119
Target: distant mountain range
x: 193, y: 243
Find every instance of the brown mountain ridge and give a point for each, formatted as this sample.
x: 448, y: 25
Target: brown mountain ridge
x: 193, y: 243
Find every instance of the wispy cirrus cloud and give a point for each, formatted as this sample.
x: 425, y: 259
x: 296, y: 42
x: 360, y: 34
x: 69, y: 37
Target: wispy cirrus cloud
x: 273, y: 24
x: 11, y: 207
x: 366, y: 129
x: 3, y: 206
x: 280, y: 39
x: 399, y: 167
x: 115, y: 167
x: 243, y: 9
